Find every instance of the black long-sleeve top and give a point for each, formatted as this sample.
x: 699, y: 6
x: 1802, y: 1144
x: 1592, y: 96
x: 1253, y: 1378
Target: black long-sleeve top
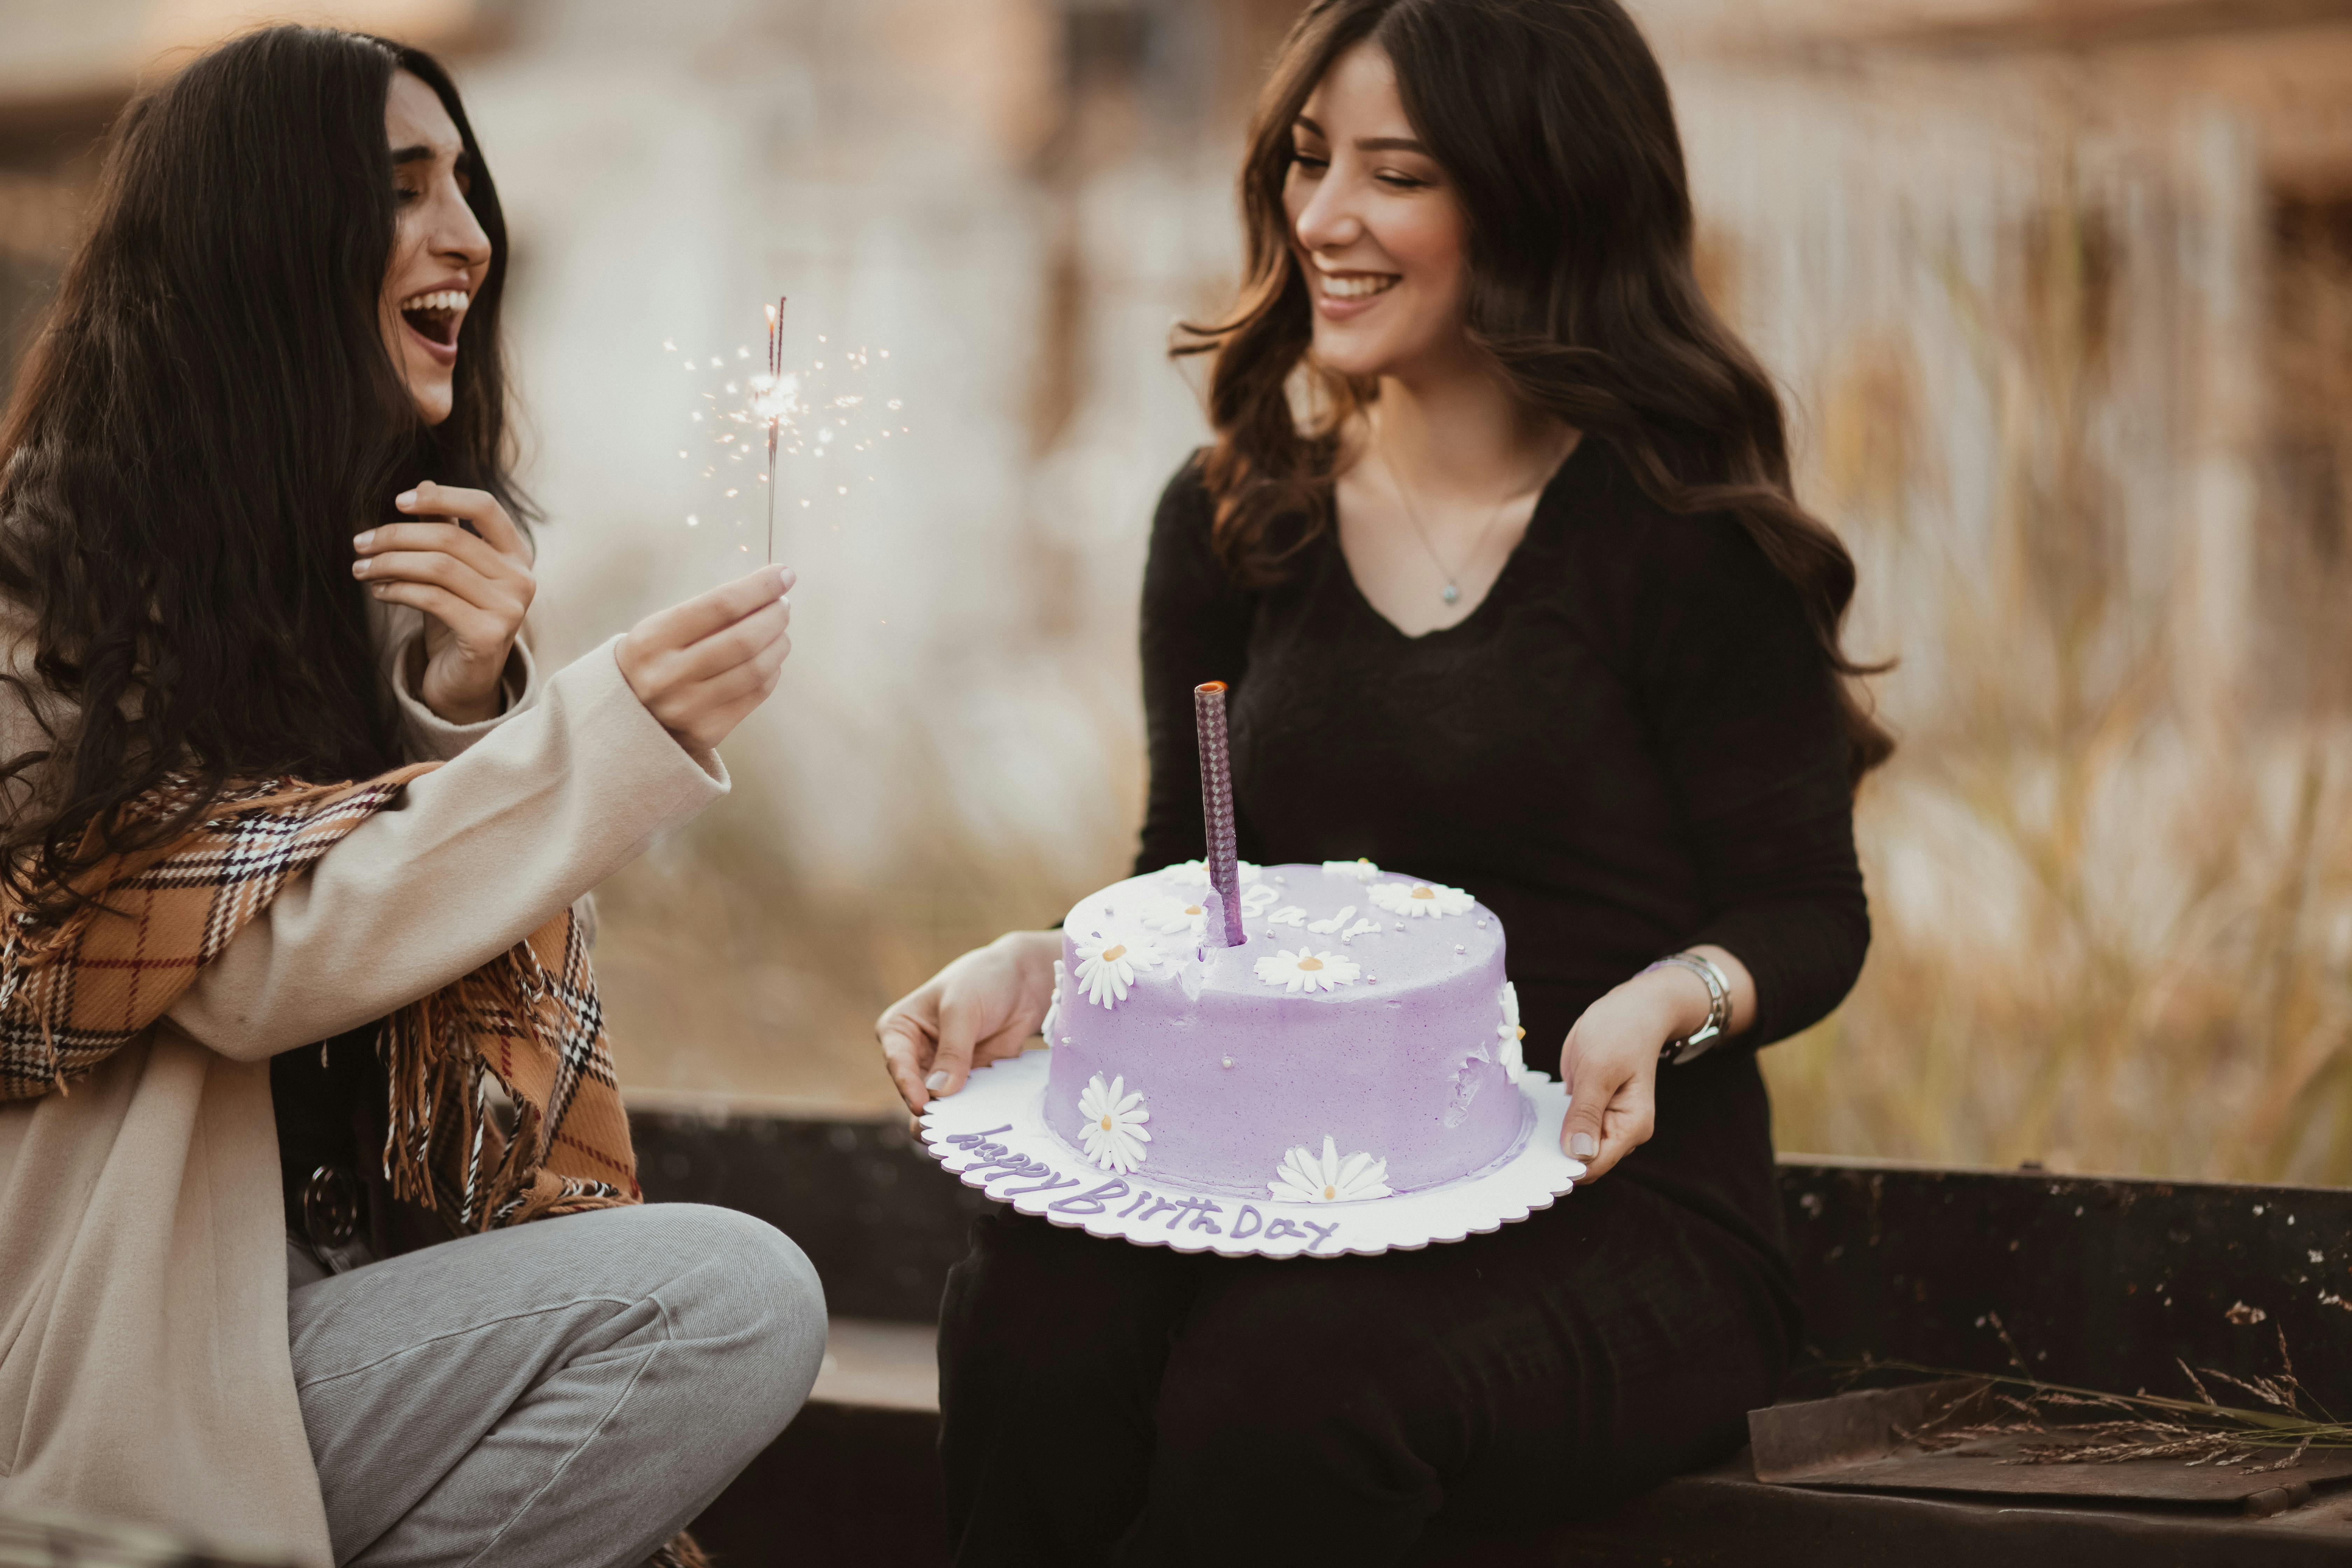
x: 1630, y: 746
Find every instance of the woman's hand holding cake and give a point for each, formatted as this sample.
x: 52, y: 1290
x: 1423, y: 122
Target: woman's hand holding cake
x: 1611, y: 1061
x: 980, y: 1009
x: 701, y: 667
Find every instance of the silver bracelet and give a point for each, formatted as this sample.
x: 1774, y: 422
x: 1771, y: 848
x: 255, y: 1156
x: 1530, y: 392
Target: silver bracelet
x: 1718, y: 1005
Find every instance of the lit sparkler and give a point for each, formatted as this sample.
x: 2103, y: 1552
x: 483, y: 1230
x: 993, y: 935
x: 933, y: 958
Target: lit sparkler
x: 770, y: 400
x: 799, y: 411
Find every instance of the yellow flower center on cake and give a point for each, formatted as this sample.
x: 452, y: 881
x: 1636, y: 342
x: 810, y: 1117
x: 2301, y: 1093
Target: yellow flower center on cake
x: 1111, y: 955
x: 1330, y: 1192
x: 1311, y: 963
x: 1422, y: 892
x: 1106, y: 1124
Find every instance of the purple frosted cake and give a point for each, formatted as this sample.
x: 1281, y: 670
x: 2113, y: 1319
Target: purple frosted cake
x: 1362, y: 1041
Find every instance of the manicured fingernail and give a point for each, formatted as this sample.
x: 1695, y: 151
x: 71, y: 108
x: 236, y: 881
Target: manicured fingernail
x: 937, y: 1082
x: 405, y: 498
x: 360, y: 568
x: 1584, y: 1146
x: 362, y: 541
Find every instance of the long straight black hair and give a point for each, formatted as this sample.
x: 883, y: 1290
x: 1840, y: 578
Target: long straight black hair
x: 206, y: 416
x: 1553, y: 120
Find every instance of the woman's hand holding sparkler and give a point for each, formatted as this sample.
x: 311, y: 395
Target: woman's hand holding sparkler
x: 474, y: 585
x: 701, y: 667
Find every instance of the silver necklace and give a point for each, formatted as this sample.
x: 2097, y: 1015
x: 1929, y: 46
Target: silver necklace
x: 1453, y: 589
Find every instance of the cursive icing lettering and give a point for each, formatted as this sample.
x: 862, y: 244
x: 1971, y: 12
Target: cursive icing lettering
x: 1161, y: 1205
x: 1109, y: 1192
x: 1249, y: 1217
x: 1050, y: 1184
x: 1279, y: 1229
x: 966, y: 1140
x: 1005, y: 1162
x: 1322, y: 1233
x: 1202, y: 1210
x: 1141, y: 1198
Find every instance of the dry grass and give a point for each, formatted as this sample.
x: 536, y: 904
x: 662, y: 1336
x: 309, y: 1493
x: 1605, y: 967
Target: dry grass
x: 2064, y: 1425
x: 2113, y: 897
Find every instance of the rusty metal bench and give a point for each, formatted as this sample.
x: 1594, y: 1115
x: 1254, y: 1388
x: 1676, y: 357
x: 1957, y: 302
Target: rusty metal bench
x: 2100, y: 1283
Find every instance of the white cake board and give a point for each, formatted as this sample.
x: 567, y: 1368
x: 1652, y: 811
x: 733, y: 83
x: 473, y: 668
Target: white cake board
x: 993, y: 1135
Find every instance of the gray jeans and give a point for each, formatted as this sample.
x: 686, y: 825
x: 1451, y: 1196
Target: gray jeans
x: 570, y: 1393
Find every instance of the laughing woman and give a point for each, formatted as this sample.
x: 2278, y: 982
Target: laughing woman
x: 1526, y: 606
x: 293, y: 833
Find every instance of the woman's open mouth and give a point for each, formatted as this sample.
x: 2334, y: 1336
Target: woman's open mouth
x: 435, y: 318
x: 1340, y: 296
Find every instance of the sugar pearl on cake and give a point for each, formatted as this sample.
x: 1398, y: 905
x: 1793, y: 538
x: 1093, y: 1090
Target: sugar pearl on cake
x: 1458, y: 947
x: 1229, y: 1061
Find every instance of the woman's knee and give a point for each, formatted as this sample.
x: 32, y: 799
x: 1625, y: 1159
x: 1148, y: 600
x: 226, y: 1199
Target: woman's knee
x: 747, y: 1303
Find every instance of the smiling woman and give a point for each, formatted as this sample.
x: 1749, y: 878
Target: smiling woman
x: 274, y: 1270
x: 441, y: 255
x: 1497, y: 548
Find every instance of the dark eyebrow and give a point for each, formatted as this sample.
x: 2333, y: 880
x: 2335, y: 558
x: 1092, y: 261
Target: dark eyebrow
x: 421, y: 153
x: 1366, y: 143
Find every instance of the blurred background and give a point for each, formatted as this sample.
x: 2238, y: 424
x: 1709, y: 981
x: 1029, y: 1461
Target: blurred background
x: 2060, y: 292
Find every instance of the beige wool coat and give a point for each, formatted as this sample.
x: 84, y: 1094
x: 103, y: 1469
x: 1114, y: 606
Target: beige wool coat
x: 144, y: 1371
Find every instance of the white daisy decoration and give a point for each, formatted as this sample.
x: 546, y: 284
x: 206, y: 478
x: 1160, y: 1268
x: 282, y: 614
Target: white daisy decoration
x: 1514, y: 1060
x: 1256, y: 901
x: 1419, y: 898
x: 1303, y: 1179
x: 1113, y: 1132
x: 1053, y: 1008
x: 1361, y: 870
x: 1108, y: 962
x: 1334, y: 923
x: 1289, y: 915
x: 1308, y: 971
x: 1195, y: 873
x: 1172, y: 915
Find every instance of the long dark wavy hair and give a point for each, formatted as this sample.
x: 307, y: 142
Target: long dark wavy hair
x: 207, y: 415
x: 1552, y: 119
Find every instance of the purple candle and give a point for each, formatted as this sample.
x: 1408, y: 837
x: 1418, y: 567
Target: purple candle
x: 1217, y: 808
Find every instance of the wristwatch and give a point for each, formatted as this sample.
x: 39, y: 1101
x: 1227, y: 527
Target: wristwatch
x: 1718, y: 1006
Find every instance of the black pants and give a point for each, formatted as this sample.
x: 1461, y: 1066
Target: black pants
x: 1103, y: 1403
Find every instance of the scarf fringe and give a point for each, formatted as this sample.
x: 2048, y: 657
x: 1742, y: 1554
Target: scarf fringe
x: 682, y: 1551
x: 445, y: 1149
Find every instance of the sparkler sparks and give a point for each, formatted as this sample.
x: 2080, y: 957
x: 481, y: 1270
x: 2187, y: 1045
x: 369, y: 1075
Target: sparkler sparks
x: 797, y: 413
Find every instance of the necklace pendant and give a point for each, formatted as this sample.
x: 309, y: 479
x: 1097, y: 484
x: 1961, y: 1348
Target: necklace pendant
x: 1450, y: 593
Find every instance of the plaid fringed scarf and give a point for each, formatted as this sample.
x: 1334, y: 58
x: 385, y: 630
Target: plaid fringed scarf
x: 75, y: 991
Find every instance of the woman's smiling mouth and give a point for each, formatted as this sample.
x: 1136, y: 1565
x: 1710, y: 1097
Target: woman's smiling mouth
x: 1339, y: 296
x: 434, y: 318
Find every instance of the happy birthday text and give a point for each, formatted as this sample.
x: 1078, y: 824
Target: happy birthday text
x: 1188, y: 1214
